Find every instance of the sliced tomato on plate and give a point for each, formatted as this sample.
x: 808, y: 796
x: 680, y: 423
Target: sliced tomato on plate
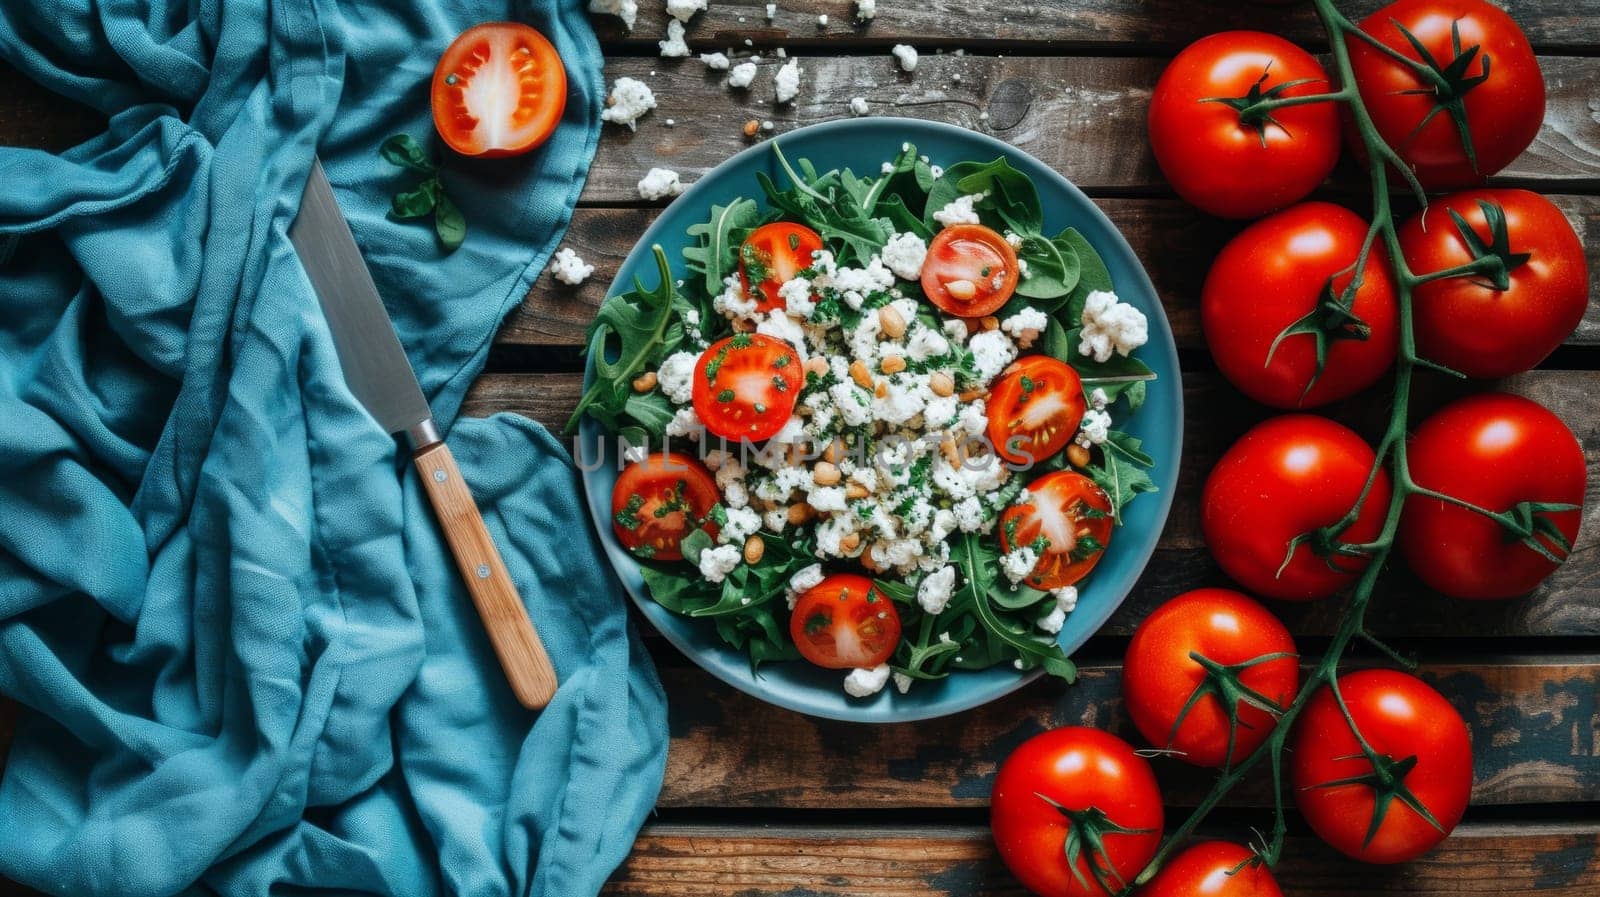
x: 498, y: 90
x: 1034, y: 409
x: 845, y: 622
x: 745, y: 386
x: 658, y: 501
x: 1074, y: 517
x: 970, y: 270
x: 771, y: 256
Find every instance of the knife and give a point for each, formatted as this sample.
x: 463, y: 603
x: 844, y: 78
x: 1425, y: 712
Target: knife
x: 380, y: 376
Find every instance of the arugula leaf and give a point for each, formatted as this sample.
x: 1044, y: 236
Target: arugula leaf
x: 638, y: 322
x: 1123, y: 471
x: 714, y: 254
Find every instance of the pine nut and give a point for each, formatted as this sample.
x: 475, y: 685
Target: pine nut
x: 941, y: 384
x: 825, y: 474
x: 860, y: 374
x: 893, y: 364
x: 818, y: 365
x: 973, y: 394
x: 989, y: 322
x: 1078, y: 455
x: 1026, y: 338
x: 867, y: 561
x: 644, y: 382
x: 881, y: 390
x: 833, y: 452
x: 849, y: 541
x: 800, y: 513
x: 890, y: 320
x: 754, y: 548
x: 961, y: 289
x: 751, y: 128
x: 854, y: 491
x: 951, y: 452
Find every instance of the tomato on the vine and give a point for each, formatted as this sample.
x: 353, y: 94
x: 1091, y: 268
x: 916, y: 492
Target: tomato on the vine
x: 1066, y: 518
x: 1212, y: 155
x: 1502, y: 453
x: 1512, y: 316
x: 1213, y: 869
x: 1424, y: 754
x: 746, y: 385
x: 658, y: 501
x: 970, y: 270
x: 1034, y: 409
x: 771, y: 256
x: 1463, y: 101
x: 845, y: 622
x: 498, y: 90
x: 1249, y: 656
x: 1289, y: 478
x: 1273, y: 307
x: 1069, y: 783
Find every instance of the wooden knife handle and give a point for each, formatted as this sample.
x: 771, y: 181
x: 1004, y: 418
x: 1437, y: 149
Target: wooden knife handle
x: 521, y: 654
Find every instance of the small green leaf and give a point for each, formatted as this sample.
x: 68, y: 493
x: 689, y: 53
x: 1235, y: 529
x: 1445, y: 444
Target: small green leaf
x: 404, y: 151
x: 416, y: 202
x: 448, y: 222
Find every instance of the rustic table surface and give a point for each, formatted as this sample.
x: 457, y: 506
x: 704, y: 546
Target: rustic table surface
x: 762, y: 801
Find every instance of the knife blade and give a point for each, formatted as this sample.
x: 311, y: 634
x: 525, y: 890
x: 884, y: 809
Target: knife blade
x: 380, y: 376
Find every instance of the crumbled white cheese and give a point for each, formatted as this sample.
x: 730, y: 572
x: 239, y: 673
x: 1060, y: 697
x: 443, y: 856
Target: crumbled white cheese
x: 1018, y: 563
x: 992, y: 351
x: 626, y: 10
x: 742, y: 523
x: 1029, y: 318
x: 730, y: 482
x: 715, y: 61
x: 1098, y: 398
x: 902, y: 682
x: 786, y: 83
x: 716, y: 563
x: 684, y: 10
x: 684, y: 423
x: 858, y: 106
x: 822, y: 20
x: 935, y: 591
x: 866, y: 9
x: 904, y: 255
x: 635, y: 453
x: 864, y: 683
x: 960, y: 210
x: 630, y: 100
x: 956, y: 329
x: 742, y: 75
x: 1053, y: 621
x: 1111, y: 326
x: 926, y: 343
x: 1014, y: 239
x: 1066, y: 598
x: 772, y: 11
x: 1094, y: 428
x: 660, y: 183
x: 827, y: 498
x: 907, y: 55
x: 797, y: 298
x: 568, y: 268
x: 675, y: 377
x: 673, y: 45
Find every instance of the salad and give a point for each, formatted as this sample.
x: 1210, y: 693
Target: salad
x: 873, y: 424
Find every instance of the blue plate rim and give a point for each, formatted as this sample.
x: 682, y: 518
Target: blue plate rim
x: 1167, y: 471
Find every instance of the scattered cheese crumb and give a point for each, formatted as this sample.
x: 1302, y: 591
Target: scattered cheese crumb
x: 1111, y: 326
x: 866, y: 10
x: 742, y: 75
x: 907, y: 55
x: 660, y: 183
x: 902, y: 682
x: 673, y: 46
x: 786, y: 83
x: 626, y: 10
x: 935, y: 590
x: 858, y: 106
x: 865, y: 683
x: 822, y: 20
x: 568, y: 268
x: 630, y: 100
x: 715, y: 61
x: 772, y: 11
x: 684, y: 10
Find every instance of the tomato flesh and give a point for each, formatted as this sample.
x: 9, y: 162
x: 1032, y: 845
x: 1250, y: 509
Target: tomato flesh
x: 1034, y: 409
x: 845, y: 622
x: 970, y: 270
x: 658, y: 501
x: 773, y: 254
x: 498, y: 90
x: 746, y: 385
x: 1072, y: 514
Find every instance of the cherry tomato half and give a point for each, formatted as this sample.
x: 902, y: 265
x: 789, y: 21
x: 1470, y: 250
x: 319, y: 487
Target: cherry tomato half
x: 745, y: 386
x: 658, y: 501
x: 1072, y: 514
x: 845, y: 622
x: 771, y: 256
x: 1034, y: 409
x: 498, y: 90
x: 970, y: 270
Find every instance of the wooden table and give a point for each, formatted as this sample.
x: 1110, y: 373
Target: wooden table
x: 760, y: 801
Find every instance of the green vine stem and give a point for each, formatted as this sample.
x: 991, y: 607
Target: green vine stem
x: 1390, y: 450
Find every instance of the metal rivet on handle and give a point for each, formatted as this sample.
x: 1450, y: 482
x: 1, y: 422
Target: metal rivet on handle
x: 440, y: 476
x: 483, y: 571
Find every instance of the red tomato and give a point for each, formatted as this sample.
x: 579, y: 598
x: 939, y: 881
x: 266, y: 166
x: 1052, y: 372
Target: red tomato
x: 1159, y: 677
x: 657, y: 501
x: 1495, y: 451
x: 1034, y: 409
x: 1222, y: 163
x: 772, y: 255
x: 1288, y: 476
x: 1207, y: 870
x: 1503, y: 102
x: 1277, y: 272
x: 745, y: 386
x: 1072, y: 515
x: 498, y: 90
x: 1091, y: 775
x: 1483, y: 326
x: 970, y: 270
x: 845, y: 622
x: 1405, y: 722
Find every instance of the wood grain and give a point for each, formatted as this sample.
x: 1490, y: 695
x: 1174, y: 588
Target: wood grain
x: 1568, y: 604
x: 1175, y: 242
x: 1559, y: 860
x: 505, y: 617
x: 1533, y: 724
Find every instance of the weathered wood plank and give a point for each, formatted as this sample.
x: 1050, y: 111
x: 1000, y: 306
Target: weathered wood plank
x: 1533, y: 726
x: 1559, y: 860
x: 1567, y: 604
x: 1134, y: 25
x: 1176, y: 243
x: 1084, y: 117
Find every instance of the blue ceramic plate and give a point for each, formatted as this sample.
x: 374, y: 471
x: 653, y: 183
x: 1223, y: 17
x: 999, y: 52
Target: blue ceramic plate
x: 863, y: 145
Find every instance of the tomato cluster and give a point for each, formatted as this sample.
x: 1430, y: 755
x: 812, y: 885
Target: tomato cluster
x: 1299, y: 310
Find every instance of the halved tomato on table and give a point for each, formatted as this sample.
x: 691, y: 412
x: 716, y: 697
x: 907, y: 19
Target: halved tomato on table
x: 771, y: 256
x: 970, y: 270
x: 498, y: 90
x: 1034, y: 409
x: 845, y: 622
x: 1074, y: 517
x: 745, y: 386
x: 658, y: 501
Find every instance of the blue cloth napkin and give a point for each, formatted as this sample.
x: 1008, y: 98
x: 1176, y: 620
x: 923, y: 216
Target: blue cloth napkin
x: 248, y: 665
